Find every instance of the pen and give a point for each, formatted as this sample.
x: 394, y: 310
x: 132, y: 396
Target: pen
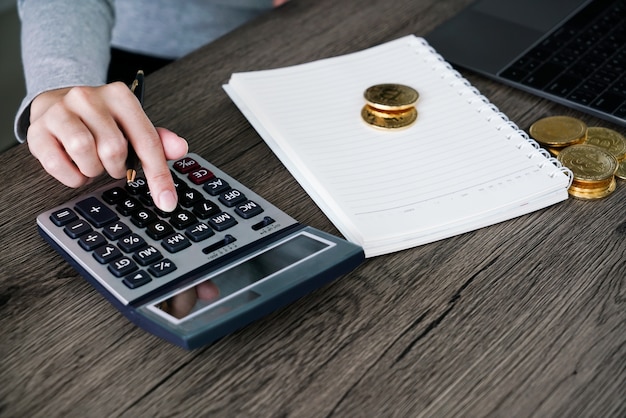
x: 131, y: 159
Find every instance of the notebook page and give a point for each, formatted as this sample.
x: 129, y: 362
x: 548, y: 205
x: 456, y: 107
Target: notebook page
x: 453, y: 166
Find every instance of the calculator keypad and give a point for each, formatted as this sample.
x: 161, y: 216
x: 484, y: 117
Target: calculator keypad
x: 132, y: 248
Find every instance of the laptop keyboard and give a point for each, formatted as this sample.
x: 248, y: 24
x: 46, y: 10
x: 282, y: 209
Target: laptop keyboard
x: 583, y: 62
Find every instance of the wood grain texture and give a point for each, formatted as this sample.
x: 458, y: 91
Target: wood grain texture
x: 523, y: 318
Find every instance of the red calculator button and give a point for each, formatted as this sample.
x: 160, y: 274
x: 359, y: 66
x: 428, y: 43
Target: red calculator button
x: 201, y: 175
x: 186, y: 165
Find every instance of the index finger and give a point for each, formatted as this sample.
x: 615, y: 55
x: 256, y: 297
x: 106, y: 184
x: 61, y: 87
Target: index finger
x: 143, y: 137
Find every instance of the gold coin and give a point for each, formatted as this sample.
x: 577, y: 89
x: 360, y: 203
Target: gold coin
x: 621, y: 171
x: 586, y: 194
x: 558, y: 131
x: 389, y: 120
x: 392, y: 97
x: 610, y: 140
x: 554, y: 151
x: 591, y: 186
x: 588, y: 162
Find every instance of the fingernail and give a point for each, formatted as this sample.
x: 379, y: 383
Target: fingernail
x: 167, y: 201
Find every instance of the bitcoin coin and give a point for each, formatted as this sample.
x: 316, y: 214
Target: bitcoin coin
x: 392, y: 97
x: 621, y: 171
x: 592, y: 186
x: 558, y: 131
x: 389, y: 120
x: 610, y: 140
x: 588, y: 162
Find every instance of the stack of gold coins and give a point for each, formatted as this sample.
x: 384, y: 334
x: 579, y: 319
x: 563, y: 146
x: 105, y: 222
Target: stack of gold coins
x: 594, y: 170
x: 596, y: 155
x: 390, y: 106
x: 558, y: 132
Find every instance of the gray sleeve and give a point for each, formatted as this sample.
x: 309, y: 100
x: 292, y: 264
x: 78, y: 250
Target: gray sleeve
x: 64, y: 43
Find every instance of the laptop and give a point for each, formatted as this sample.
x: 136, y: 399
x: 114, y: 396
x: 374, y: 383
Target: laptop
x: 570, y: 51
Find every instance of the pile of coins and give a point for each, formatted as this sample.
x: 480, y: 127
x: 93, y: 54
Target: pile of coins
x: 596, y: 155
x: 594, y: 170
x: 390, y: 106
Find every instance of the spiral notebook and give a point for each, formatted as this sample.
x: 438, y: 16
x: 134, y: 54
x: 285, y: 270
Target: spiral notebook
x: 461, y: 166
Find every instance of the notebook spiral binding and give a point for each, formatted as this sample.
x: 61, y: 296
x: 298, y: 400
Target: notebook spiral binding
x: 494, y: 114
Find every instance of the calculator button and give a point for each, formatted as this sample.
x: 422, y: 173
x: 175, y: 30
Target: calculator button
x: 128, y: 206
x: 205, y: 209
x: 139, y: 186
x: 135, y: 280
x: 116, y: 230
x: 114, y: 195
x: 185, y: 165
x: 143, y: 217
x: 161, y: 268
x: 122, y: 266
x: 164, y: 214
x: 248, y: 209
x: 91, y: 241
x: 159, y: 230
x: 190, y: 197
x: 106, y: 254
x: 179, y: 184
x: 199, y: 231
x: 147, y: 255
x: 181, y: 219
x: 201, y: 175
x: 175, y: 242
x: 63, y: 217
x: 232, y: 197
x: 131, y: 243
x: 222, y: 221
x: 216, y: 186
x: 77, y: 228
x: 146, y: 198
x: 96, y: 212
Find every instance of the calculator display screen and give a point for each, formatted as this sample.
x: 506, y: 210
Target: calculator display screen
x: 227, y: 290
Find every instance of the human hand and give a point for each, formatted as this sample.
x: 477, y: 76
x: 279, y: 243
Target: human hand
x: 79, y: 133
x: 183, y: 303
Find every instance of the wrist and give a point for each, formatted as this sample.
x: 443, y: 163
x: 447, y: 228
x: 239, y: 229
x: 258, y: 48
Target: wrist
x: 44, y: 100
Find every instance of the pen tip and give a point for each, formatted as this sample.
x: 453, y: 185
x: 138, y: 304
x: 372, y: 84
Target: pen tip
x: 130, y: 175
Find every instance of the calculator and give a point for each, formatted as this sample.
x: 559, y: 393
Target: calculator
x: 224, y: 258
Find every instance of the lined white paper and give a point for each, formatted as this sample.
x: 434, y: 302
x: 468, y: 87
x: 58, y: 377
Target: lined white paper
x: 461, y: 166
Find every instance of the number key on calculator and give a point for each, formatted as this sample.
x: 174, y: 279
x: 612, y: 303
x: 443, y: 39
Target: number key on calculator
x: 223, y: 258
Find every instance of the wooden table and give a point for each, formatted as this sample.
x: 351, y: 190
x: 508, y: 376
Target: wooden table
x: 523, y: 318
